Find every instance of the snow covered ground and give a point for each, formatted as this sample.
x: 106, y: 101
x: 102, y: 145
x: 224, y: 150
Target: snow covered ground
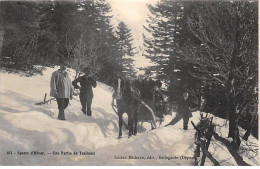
x: 31, y: 134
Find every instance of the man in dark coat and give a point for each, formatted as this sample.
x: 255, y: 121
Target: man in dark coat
x: 148, y: 85
x: 86, y: 94
x: 138, y: 83
x: 183, y: 112
x: 158, y: 101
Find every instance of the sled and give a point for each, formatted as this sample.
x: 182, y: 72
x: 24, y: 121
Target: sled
x: 147, y: 112
x: 45, y: 101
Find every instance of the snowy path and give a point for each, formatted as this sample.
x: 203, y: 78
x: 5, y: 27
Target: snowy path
x: 26, y: 127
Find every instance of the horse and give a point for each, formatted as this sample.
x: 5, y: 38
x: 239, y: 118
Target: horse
x: 127, y: 102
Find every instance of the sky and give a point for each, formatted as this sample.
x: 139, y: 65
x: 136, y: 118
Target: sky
x: 134, y: 13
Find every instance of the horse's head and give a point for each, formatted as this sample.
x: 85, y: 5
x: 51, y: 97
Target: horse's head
x: 124, y: 89
x: 118, y: 86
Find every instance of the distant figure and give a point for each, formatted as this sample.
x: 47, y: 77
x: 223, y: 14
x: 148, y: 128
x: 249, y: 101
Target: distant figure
x: 86, y: 94
x: 158, y: 100
x: 61, y: 89
x: 138, y: 83
x: 148, y: 85
x: 183, y: 112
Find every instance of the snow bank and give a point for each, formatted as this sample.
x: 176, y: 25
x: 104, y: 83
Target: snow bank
x: 31, y: 134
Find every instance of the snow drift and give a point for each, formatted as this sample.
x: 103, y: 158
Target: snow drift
x: 31, y: 134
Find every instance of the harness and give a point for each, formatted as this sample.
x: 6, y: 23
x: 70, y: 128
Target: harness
x: 134, y: 94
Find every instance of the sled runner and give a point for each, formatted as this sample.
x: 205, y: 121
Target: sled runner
x: 147, y: 112
x: 45, y: 101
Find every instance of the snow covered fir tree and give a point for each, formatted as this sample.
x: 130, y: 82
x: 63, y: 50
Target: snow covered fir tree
x: 193, y: 101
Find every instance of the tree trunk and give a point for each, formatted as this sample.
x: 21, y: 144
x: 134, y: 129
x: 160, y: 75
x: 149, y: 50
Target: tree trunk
x: 233, y: 126
x: 1, y: 40
x: 251, y: 125
x: 239, y: 160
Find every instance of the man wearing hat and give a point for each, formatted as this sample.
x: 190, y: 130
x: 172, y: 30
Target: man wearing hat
x: 61, y: 89
x: 183, y: 111
x: 158, y: 99
x: 86, y: 94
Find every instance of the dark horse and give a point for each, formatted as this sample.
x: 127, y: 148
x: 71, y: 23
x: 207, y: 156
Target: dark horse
x: 127, y: 102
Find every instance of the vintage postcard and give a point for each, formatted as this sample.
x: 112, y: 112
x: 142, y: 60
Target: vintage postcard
x: 129, y: 83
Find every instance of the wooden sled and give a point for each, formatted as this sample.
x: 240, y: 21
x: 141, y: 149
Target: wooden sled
x: 45, y: 101
x: 147, y: 113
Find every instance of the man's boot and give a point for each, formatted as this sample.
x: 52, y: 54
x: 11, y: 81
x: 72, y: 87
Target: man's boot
x: 89, y: 112
x: 61, y: 115
x: 84, y: 111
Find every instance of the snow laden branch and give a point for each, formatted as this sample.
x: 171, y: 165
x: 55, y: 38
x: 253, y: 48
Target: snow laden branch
x: 83, y: 54
x: 225, y: 53
x: 23, y: 46
x: 231, y: 149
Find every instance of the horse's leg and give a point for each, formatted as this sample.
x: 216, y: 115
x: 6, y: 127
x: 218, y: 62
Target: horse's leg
x: 135, y: 124
x: 130, y: 124
x: 160, y: 123
x: 136, y: 118
x: 152, y: 126
x: 120, y: 115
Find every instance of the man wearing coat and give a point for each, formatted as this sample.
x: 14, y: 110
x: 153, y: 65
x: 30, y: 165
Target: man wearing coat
x: 183, y: 112
x: 158, y: 100
x: 61, y: 89
x: 148, y: 85
x: 86, y: 94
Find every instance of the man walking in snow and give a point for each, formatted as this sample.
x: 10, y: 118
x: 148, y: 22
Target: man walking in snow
x: 158, y: 100
x: 86, y: 94
x: 148, y: 85
x: 183, y: 112
x: 61, y: 89
x: 138, y: 83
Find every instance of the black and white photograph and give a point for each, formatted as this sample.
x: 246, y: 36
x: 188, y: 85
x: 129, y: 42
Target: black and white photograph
x: 129, y: 83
